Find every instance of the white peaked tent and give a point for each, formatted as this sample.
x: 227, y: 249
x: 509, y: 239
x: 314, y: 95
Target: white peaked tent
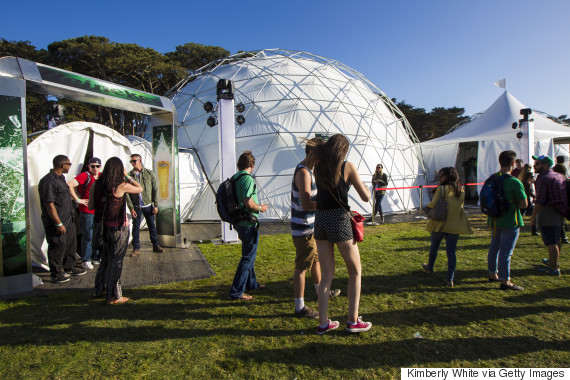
x: 488, y: 134
x: 72, y: 140
x: 290, y: 95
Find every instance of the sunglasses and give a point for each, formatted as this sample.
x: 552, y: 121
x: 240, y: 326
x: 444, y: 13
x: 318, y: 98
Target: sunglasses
x: 133, y: 161
x: 67, y: 163
x: 95, y: 166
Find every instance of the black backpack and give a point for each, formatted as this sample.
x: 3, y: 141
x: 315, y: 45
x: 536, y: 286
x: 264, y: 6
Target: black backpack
x: 228, y: 203
x: 492, y: 197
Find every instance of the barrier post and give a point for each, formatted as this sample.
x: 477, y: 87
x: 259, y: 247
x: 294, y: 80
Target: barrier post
x: 421, y: 187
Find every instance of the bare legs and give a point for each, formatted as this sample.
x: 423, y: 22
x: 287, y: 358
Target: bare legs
x: 351, y: 256
x: 299, y: 279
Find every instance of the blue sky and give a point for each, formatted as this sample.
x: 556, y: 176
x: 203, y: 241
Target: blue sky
x: 428, y: 53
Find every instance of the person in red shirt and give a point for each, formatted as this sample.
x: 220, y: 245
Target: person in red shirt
x: 518, y: 168
x: 83, y: 183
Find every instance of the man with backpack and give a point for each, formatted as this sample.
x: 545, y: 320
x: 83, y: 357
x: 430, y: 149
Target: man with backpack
x: 549, y: 210
x: 247, y: 230
x: 508, y: 191
x: 83, y: 183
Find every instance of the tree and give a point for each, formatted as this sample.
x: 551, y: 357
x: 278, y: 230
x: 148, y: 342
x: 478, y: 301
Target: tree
x: 192, y: 56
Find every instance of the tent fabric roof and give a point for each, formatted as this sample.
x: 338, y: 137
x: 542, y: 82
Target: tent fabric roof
x: 496, y: 124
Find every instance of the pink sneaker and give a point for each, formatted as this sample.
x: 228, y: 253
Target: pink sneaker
x: 333, y: 325
x: 359, y: 326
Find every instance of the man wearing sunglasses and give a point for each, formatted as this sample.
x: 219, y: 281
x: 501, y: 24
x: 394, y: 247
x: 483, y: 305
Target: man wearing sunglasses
x: 143, y: 204
x: 83, y: 183
x: 57, y: 218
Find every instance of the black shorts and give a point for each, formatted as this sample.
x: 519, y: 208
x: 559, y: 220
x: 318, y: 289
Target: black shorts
x: 333, y: 225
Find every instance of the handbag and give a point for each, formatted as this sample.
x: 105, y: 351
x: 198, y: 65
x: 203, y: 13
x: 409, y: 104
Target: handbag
x: 356, y: 221
x: 439, y: 212
x: 97, y: 238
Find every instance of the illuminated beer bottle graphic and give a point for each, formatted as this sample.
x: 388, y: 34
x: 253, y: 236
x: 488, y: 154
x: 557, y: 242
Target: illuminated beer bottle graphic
x: 163, y: 163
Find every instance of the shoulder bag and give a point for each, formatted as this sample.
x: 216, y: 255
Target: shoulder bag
x: 439, y: 212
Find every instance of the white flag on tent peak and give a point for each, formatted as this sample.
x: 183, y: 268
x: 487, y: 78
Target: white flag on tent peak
x: 501, y: 83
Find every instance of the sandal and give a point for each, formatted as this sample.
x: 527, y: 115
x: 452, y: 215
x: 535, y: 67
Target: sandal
x: 244, y: 297
x: 119, y: 301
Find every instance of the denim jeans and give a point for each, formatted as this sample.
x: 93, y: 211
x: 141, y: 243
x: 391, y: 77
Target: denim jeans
x: 378, y: 196
x: 500, y: 252
x: 450, y: 248
x: 86, y: 225
x: 245, y: 278
x: 149, y: 217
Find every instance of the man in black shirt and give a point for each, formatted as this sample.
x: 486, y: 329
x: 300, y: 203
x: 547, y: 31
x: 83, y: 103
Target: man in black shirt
x: 57, y: 218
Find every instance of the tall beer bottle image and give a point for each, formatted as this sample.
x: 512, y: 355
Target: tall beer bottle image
x: 163, y: 167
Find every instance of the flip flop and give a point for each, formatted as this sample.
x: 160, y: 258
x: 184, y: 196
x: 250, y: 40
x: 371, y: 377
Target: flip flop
x: 244, y: 297
x: 119, y: 301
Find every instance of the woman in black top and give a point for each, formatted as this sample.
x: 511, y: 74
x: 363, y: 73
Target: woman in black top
x: 107, y: 198
x: 379, y: 180
x: 334, y: 177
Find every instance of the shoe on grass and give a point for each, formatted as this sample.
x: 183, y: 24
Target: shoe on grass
x: 546, y: 262
x: 359, y: 326
x: 550, y: 271
x: 334, y: 293
x: 510, y: 287
x: 425, y: 267
x: 306, y: 312
x: 331, y: 325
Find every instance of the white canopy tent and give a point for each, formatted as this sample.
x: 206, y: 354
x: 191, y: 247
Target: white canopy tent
x: 290, y: 95
x: 72, y: 140
x: 488, y: 134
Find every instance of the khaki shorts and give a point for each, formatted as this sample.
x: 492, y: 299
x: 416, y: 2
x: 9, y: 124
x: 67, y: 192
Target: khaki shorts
x: 306, y: 248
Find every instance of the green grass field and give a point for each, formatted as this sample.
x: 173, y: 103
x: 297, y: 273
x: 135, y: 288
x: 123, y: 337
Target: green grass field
x: 191, y: 330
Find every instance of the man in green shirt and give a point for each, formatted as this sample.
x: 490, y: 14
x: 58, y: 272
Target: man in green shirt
x: 505, y: 228
x: 248, y: 232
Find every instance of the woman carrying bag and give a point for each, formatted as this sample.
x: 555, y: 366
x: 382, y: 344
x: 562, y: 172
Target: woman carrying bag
x: 455, y: 222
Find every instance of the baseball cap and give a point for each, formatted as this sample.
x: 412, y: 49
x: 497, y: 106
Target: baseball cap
x: 544, y: 159
x: 93, y: 160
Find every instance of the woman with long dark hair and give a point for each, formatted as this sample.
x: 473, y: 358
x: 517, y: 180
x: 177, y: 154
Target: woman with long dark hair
x: 379, y: 180
x: 107, y: 198
x: 334, y: 176
x: 456, y: 222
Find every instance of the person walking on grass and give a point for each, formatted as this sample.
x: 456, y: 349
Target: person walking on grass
x: 455, y: 223
x: 303, y: 205
x: 549, y: 209
x: 247, y: 230
x: 334, y: 176
x: 108, y: 199
x: 506, y: 227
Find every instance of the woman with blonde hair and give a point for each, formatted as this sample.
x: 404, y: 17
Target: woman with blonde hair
x: 455, y: 223
x: 334, y: 176
x: 379, y: 180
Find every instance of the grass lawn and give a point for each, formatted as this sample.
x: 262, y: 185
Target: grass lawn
x: 191, y: 330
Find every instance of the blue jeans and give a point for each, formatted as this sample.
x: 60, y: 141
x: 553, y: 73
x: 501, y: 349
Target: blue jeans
x: 245, y: 278
x: 86, y: 225
x: 450, y: 248
x: 378, y: 196
x: 149, y: 217
x: 500, y: 252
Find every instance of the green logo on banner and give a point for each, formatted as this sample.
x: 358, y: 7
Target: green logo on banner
x: 66, y: 78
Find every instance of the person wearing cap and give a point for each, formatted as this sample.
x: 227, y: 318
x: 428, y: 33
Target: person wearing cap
x: 549, y: 210
x: 83, y: 183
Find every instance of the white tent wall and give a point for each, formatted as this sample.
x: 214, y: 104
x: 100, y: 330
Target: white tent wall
x: 71, y: 140
x: 289, y: 96
x: 493, y: 132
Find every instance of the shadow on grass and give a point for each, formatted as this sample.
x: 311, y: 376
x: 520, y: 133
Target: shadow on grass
x: 403, y: 353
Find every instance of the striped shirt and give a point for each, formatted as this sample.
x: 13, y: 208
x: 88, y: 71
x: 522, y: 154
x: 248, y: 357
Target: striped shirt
x: 302, y: 222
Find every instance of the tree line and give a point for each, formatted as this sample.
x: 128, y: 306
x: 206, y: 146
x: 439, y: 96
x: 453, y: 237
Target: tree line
x: 148, y: 70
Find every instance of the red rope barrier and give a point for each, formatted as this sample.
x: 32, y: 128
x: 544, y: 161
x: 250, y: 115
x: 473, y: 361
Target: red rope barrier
x: 421, y: 186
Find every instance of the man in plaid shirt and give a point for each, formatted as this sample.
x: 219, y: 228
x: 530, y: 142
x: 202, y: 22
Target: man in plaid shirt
x: 549, y: 209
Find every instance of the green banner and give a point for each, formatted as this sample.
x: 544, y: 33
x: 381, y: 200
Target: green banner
x: 12, y: 201
x: 165, y: 149
x: 74, y: 80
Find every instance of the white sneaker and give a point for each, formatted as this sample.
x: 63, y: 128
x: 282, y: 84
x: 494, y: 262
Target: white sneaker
x: 87, y: 265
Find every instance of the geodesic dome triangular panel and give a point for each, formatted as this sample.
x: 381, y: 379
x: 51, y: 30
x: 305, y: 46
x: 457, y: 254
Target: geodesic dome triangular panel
x: 290, y: 95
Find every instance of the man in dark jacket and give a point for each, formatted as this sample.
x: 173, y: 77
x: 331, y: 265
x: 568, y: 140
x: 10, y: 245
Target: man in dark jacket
x: 143, y: 204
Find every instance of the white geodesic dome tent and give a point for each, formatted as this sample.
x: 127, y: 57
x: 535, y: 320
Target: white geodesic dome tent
x: 290, y: 95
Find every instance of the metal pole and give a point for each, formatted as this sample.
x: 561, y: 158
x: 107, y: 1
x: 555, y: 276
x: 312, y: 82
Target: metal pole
x: 421, y: 187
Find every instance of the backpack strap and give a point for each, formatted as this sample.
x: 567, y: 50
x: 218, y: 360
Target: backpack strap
x: 84, y: 187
